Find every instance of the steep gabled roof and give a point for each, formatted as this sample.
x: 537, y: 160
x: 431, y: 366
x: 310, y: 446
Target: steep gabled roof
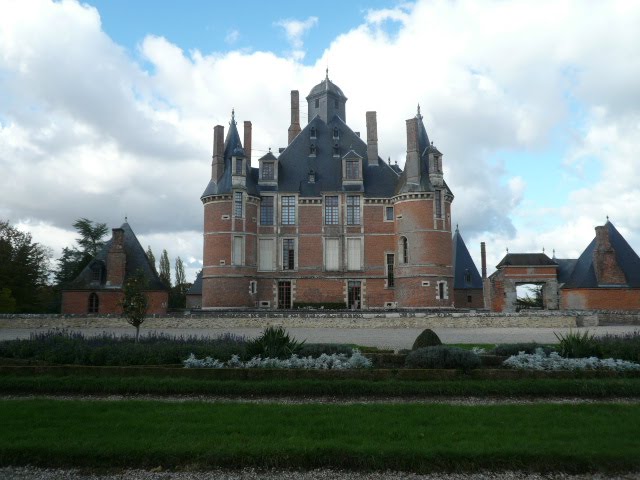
x: 463, y: 266
x: 136, y: 259
x: 196, y: 288
x: 584, y: 274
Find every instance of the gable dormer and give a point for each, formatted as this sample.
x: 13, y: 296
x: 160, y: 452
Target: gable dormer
x: 238, y: 167
x: 268, y: 170
x: 352, y: 168
x: 434, y: 159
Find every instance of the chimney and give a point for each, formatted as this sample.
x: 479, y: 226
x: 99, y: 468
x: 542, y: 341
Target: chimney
x: 372, y: 139
x: 483, y: 259
x: 247, y: 141
x: 294, y: 129
x: 116, y: 259
x: 217, y: 165
x: 412, y: 164
x: 605, y: 264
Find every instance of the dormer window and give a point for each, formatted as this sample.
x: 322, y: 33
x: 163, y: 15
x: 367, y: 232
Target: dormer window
x: 312, y: 176
x: 268, y: 171
x: 336, y: 104
x: 317, y: 103
x: 239, y: 164
x: 353, y: 169
x: 313, y: 132
x: 336, y: 133
x: 312, y: 149
x: 467, y: 277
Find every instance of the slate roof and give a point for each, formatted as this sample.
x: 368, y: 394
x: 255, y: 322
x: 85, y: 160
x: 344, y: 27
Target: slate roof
x: 584, y: 275
x: 526, y: 260
x: 136, y: 259
x: 196, y: 288
x: 326, y: 86
x: 463, y: 264
x: 565, y: 268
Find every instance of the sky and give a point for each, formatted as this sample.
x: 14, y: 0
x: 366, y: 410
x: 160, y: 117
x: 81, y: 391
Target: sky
x: 107, y: 108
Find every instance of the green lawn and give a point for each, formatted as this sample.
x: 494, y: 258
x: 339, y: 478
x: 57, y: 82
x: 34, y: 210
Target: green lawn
x: 115, y: 384
x: 420, y: 438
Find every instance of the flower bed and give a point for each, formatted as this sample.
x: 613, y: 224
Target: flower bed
x: 336, y: 361
x: 554, y: 362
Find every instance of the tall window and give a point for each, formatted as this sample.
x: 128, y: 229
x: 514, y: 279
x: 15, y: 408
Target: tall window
x: 266, y: 211
x: 438, y: 195
x: 94, y: 303
x: 284, y: 294
x: 354, y: 254
x: 268, y: 171
x: 289, y: 210
x: 352, y: 169
x: 388, y: 214
x: 353, y: 210
x: 331, y: 254
x: 404, y: 250
x: 237, y: 250
x: 238, y: 166
x: 312, y: 149
x: 442, y: 290
x: 288, y: 254
x: 237, y: 204
x: 390, y: 263
x: 331, y: 210
x: 266, y: 253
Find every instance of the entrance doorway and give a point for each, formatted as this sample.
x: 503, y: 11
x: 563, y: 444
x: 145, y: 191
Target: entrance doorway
x: 529, y: 296
x: 284, y: 294
x: 354, y: 289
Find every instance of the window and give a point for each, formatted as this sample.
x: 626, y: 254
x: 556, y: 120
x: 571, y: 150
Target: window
x: 312, y: 176
x: 352, y: 170
x: 253, y: 287
x: 284, y: 294
x: 317, y: 103
x: 354, y: 254
x: 265, y: 252
x: 438, y: 199
x: 331, y: 210
x: 469, y: 299
x: 336, y: 133
x: 266, y: 211
x: 336, y: 104
x: 96, y: 272
x: 238, y: 166
x: 404, y: 250
x: 390, y: 264
x: 94, y: 303
x: 237, y: 205
x: 238, y: 243
x: 332, y: 254
x: 268, y: 172
x: 312, y: 149
x: 353, y: 210
x: 313, y: 132
x: 288, y: 254
x: 467, y: 277
x: 388, y: 214
x: 289, y: 210
x: 442, y: 291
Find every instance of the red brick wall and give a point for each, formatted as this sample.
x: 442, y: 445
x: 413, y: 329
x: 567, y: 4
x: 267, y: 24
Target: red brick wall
x: 461, y: 298
x: 77, y: 302
x: 600, y: 299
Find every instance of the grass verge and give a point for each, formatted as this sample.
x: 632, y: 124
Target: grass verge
x: 419, y: 438
x: 100, y: 385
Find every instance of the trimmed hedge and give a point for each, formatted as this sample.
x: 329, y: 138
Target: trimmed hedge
x: 443, y: 357
x: 427, y: 338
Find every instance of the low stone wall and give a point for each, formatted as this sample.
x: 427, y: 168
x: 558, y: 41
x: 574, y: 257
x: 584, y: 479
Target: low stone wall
x: 311, y: 320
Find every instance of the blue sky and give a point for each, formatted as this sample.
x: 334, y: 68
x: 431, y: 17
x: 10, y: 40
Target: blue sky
x: 107, y: 107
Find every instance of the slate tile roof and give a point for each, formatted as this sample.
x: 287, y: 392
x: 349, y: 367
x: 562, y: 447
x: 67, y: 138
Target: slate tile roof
x: 526, y: 260
x: 462, y: 265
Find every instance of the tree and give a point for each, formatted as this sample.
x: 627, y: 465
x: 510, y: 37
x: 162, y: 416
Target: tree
x: 74, y: 259
x: 178, y: 296
x: 165, y: 269
x: 152, y: 258
x: 135, y: 303
x: 91, y: 235
x: 24, y: 271
x: 180, y: 276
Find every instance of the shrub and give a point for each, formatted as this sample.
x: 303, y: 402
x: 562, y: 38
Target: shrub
x: 623, y: 347
x: 442, y: 357
x: 509, y: 349
x: 578, y: 345
x: 316, y: 349
x: 554, y: 362
x: 427, y: 338
x: 273, y: 343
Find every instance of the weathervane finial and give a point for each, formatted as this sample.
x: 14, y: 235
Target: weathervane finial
x: 233, y: 117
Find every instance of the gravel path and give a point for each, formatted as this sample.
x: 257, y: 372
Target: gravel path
x: 30, y: 473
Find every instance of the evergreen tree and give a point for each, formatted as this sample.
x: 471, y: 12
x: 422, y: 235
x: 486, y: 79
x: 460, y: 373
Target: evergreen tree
x: 74, y: 259
x: 24, y: 271
x: 91, y: 235
x: 152, y: 258
x: 180, y: 276
x: 165, y: 269
x: 178, y: 295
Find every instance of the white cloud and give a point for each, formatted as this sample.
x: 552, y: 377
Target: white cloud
x: 88, y: 131
x: 295, y: 30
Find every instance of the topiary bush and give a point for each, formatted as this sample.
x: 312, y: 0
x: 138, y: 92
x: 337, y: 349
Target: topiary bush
x: 274, y: 342
x: 427, y: 338
x: 509, y: 349
x: 442, y: 357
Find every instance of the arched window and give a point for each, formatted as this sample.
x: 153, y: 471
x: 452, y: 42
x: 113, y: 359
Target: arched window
x: 313, y: 132
x: 94, y: 303
x: 312, y: 149
x: 404, y: 249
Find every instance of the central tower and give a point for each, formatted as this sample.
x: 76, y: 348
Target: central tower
x: 326, y: 100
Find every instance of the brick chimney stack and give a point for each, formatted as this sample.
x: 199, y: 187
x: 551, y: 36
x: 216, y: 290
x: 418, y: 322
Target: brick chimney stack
x: 217, y: 164
x: 607, y: 270
x: 372, y: 139
x: 116, y: 259
x: 294, y: 129
x: 412, y: 164
x: 247, y: 141
x: 483, y: 259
